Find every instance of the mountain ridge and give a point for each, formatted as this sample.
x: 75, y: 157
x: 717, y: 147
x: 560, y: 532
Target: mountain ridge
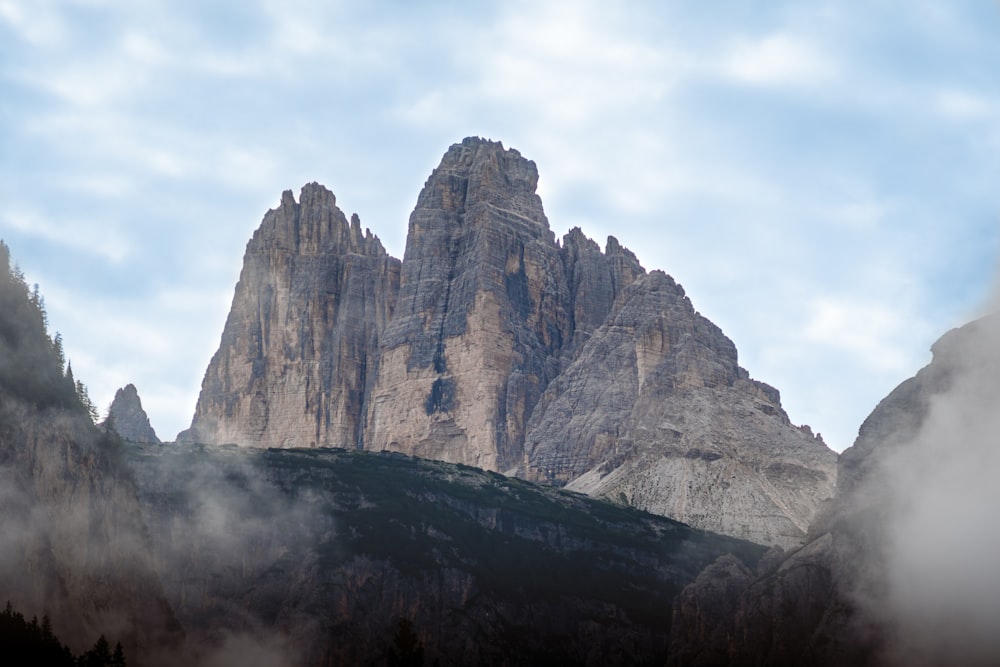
x: 463, y: 350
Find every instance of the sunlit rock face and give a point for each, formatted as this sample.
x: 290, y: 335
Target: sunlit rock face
x: 127, y: 418
x: 494, y: 345
x: 482, y: 314
x: 299, y: 349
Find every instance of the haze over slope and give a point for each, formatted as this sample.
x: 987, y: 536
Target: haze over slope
x: 901, y: 569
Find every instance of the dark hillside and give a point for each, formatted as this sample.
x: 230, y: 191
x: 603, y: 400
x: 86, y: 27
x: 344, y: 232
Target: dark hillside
x: 331, y: 548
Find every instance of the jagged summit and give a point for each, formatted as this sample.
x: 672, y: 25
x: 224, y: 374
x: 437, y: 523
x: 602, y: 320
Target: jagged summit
x: 127, y: 418
x: 314, y: 224
x: 493, y: 345
x: 298, y: 352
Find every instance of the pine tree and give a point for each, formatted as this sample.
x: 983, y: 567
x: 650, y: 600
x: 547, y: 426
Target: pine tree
x: 30, y: 643
x: 84, y: 397
x: 99, y: 656
x: 57, y: 345
x: 118, y: 657
x: 406, y: 649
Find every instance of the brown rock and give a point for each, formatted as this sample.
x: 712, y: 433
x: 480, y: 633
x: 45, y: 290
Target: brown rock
x: 299, y: 350
x: 482, y: 314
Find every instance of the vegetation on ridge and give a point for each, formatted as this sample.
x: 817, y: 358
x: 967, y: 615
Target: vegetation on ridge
x: 32, y: 365
x: 24, y: 642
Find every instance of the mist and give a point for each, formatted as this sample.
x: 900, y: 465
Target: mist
x: 942, y: 493
x: 217, y: 527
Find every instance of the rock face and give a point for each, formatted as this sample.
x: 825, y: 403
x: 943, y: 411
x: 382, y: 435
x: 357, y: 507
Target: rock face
x: 127, y: 418
x: 852, y: 594
x: 481, y: 317
x: 656, y: 412
x: 493, y: 345
x: 299, y: 349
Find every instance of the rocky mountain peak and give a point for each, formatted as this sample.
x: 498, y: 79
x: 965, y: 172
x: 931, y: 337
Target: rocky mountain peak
x: 492, y: 345
x: 313, y: 225
x: 298, y: 351
x: 127, y: 418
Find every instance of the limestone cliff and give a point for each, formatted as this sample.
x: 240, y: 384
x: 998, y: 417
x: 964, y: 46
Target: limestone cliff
x: 482, y: 314
x: 492, y: 344
x: 299, y: 350
x: 127, y: 418
x: 656, y: 412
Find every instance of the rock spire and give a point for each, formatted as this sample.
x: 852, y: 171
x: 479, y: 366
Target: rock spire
x: 299, y: 349
x: 127, y: 418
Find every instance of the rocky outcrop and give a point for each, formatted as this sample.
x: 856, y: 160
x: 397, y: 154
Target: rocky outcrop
x: 127, y: 418
x: 298, y: 354
x: 594, y: 280
x: 655, y: 412
x: 849, y: 595
x: 496, y: 346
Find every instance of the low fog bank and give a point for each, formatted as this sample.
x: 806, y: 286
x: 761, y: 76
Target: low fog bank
x: 224, y: 538
x: 942, y: 493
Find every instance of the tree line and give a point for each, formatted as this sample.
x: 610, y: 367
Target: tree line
x: 33, y: 365
x: 24, y: 642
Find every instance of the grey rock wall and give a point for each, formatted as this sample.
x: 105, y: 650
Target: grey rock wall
x: 299, y: 350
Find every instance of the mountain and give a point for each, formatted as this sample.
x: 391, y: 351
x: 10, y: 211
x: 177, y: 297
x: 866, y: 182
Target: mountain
x: 127, y: 418
x: 655, y: 412
x: 321, y: 556
x: 299, y: 350
x: 491, y: 344
x: 73, y: 544
x: 894, y: 570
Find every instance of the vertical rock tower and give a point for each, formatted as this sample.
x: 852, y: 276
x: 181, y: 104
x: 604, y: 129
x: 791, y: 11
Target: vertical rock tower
x: 481, y: 315
x: 127, y: 418
x: 299, y: 351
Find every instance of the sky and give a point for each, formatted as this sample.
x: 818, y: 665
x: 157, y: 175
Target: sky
x: 820, y: 177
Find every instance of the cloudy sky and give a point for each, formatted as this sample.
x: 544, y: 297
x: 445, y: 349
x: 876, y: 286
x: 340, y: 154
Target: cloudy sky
x: 821, y: 177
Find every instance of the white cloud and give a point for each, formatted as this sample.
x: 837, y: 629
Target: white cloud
x: 85, y: 236
x: 872, y: 331
x: 34, y: 22
x: 140, y: 47
x: 779, y: 60
x: 568, y: 64
x: 964, y: 105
